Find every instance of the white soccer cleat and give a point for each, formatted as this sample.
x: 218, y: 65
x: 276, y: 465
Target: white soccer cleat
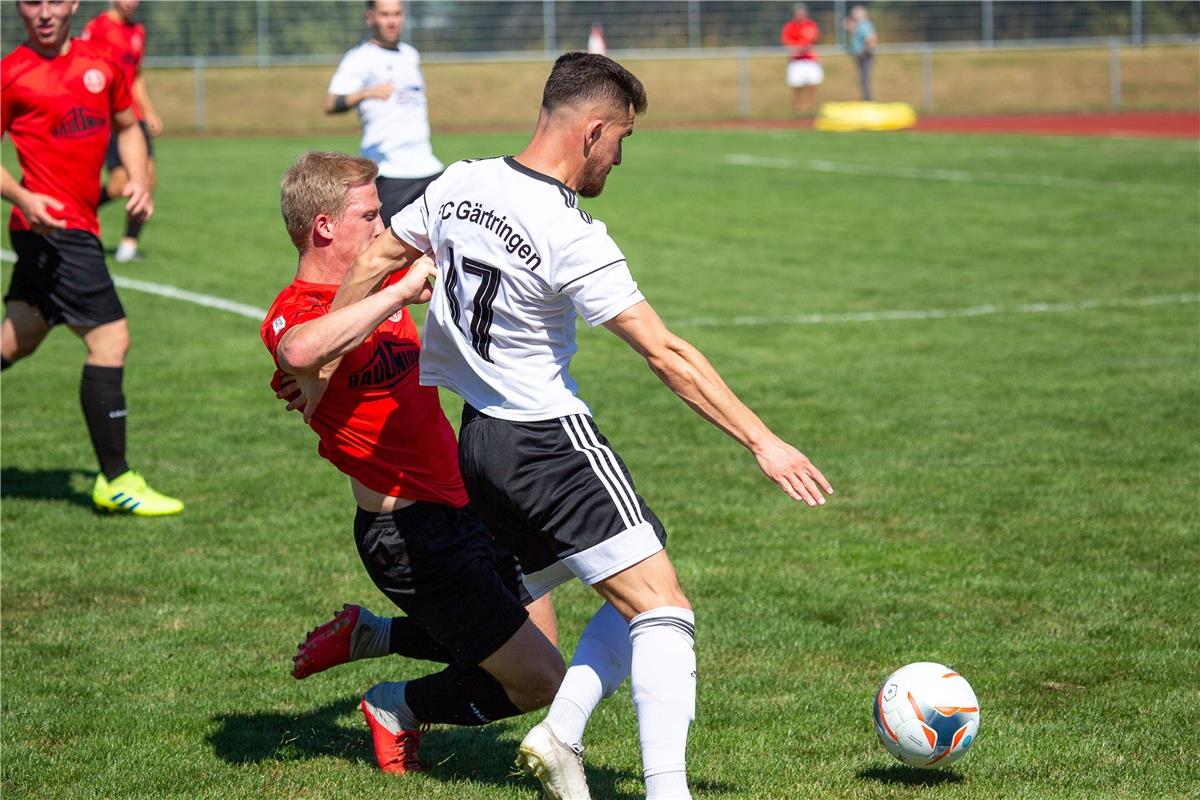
x: 126, y: 252
x: 557, y: 766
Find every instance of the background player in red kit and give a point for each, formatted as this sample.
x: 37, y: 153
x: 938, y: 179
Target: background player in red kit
x: 125, y: 41
x: 804, y: 73
x: 419, y: 543
x: 61, y: 97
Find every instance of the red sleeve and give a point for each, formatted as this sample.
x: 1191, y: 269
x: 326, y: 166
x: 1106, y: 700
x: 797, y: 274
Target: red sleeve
x: 288, y: 314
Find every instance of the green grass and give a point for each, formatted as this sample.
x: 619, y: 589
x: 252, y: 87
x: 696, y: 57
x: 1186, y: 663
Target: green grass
x: 1017, y: 494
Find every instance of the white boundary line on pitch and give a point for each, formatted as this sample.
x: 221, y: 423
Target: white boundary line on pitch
x: 949, y: 313
x: 257, y: 314
x: 947, y: 175
x: 175, y: 293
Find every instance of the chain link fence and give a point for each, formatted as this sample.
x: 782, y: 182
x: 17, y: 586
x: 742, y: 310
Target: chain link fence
x: 265, y: 32
x: 705, y: 59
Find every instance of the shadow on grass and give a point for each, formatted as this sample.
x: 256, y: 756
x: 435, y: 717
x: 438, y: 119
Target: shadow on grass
x: 43, y: 484
x: 483, y: 755
x: 271, y: 736
x: 909, y: 776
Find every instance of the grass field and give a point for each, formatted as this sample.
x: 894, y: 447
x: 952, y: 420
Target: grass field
x: 1017, y: 492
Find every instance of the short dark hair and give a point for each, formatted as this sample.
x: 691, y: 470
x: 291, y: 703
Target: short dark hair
x: 590, y: 77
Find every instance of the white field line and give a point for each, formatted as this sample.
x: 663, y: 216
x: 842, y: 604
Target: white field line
x: 175, y: 293
x: 947, y: 175
x: 946, y: 313
x: 257, y: 314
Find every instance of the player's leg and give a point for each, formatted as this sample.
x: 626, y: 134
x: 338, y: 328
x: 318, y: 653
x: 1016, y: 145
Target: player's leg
x: 563, y: 480
x: 29, y: 308
x: 662, y: 632
x: 355, y: 632
x: 437, y: 564
x: 24, y: 328
x: 90, y: 306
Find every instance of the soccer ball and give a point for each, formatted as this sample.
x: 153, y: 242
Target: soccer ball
x: 926, y: 715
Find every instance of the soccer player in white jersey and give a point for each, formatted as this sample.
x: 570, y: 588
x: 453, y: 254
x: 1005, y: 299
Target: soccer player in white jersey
x: 381, y: 78
x: 518, y: 259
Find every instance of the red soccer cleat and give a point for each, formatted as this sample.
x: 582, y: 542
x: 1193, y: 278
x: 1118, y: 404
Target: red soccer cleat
x: 398, y: 752
x: 327, y: 645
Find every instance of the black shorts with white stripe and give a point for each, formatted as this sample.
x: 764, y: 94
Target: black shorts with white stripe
x: 557, y: 494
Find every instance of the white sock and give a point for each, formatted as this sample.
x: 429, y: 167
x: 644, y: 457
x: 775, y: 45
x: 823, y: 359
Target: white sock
x: 599, y: 666
x: 389, y: 707
x: 371, y: 637
x: 664, y: 693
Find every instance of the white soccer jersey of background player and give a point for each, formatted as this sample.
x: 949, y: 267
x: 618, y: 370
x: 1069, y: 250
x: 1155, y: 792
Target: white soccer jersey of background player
x: 517, y: 259
x: 395, y: 131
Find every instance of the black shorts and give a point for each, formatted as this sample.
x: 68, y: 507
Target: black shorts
x: 558, y: 495
x: 442, y: 568
x: 396, y: 193
x: 112, y: 159
x: 64, y: 276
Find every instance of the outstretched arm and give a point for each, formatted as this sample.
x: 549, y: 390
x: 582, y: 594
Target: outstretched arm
x: 687, y: 373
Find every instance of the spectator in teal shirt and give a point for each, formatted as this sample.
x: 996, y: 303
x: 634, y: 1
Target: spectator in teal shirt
x: 862, y: 46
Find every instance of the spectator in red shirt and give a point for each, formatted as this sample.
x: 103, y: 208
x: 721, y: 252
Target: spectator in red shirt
x: 420, y: 543
x: 804, y: 73
x: 61, y: 98
x: 125, y: 41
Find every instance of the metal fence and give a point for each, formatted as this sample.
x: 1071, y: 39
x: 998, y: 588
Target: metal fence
x: 265, y: 32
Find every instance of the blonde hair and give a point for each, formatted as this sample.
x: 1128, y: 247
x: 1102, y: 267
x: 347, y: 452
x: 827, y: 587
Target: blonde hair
x: 318, y: 184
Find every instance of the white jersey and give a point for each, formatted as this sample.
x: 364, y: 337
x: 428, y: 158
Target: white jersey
x: 395, y: 131
x: 517, y: 259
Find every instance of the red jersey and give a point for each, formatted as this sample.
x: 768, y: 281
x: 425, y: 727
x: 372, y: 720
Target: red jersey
x: 125, y: 44
x: 376, y: 422
x: 58, y: 112
x: 801, y: 33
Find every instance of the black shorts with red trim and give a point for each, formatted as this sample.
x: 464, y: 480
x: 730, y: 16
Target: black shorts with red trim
x: 441, y: 567
x: 558, y: 495
x: 64, y: 276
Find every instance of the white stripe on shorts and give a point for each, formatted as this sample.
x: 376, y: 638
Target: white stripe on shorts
x: 598, y: 562
x: 604, y: 464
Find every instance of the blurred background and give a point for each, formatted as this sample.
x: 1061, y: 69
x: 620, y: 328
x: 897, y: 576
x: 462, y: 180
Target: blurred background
x: 263, y: 65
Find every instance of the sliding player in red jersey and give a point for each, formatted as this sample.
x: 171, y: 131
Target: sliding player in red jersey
x: 125, y: 41
x: 420, y: 543
x: 60, y: 99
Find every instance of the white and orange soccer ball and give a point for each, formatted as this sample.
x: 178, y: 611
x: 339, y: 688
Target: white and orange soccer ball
x: 926, y: 715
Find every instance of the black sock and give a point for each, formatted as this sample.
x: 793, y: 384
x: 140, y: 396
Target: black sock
x: 4, y: 363
x: 104, y: 195
x: 458, y: 696
x: 133, y: 227
x: 104, y: 409
x: 410, y: 640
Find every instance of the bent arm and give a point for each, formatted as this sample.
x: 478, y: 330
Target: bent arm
x: 341, y: 103
x: 38, y: 208
x: 132, y: 147
x: 308, y: 347
x: 386, y: 255
x: 688, y: 374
